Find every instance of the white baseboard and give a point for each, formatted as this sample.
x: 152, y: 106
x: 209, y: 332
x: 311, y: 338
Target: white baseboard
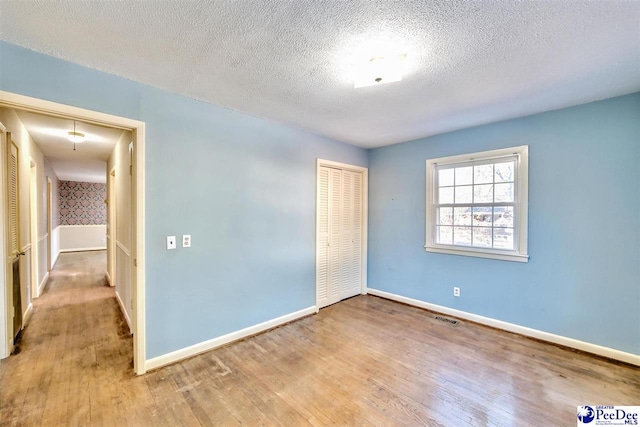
x: 202, y: 347
x: 55, y: 259
x: 124, y: 311
x: 611, y: 353
x: 43, y: 284
x: 27, y: 315
x: 96, y: 248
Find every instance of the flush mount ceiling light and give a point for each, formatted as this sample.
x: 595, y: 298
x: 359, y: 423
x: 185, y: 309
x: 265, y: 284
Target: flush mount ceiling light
x: 379, y: 70
x: 75, y: 137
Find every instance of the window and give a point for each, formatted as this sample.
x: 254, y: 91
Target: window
x: 477, y: 204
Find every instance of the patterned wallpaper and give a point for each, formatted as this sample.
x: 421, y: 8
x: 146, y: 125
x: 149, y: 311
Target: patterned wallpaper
x: 82, y: 203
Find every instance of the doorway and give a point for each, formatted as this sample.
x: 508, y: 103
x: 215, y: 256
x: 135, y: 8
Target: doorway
x: 341, y: 232
x: 137, y: 261
x: 111, y: 227
x: 49, y: 222
x: 33, y: 228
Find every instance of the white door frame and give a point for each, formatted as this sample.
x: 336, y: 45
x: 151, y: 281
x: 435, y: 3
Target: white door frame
x: 6, y: 304
x: 365, y: 215
x: 137, y: 128
x: 33, y: 228
x: 49, y: 190
x: 111, y: 206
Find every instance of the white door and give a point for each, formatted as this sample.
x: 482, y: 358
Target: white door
x: 13, y: 248
x: 339, y: 235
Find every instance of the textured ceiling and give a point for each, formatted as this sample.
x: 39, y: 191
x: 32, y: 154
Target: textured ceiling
x: 88, y: 162
x: 468, y: 62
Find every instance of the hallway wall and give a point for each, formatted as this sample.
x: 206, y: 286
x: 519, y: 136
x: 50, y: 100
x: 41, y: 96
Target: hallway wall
x: 27, y: 151
x: 120, y: 162
x: 55, y: 211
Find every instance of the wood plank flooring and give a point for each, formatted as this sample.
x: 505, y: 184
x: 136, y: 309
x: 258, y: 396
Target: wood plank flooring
x: 365, y: 361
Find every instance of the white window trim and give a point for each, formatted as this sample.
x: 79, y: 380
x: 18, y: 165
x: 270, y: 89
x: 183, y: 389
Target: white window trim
x: 520, y: 254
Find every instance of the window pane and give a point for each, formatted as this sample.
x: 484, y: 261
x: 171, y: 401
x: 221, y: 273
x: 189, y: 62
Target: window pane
x: 503, y: 193
x: 483, y: 174
x: 445, y: 216
x: 483, y: 193
x: 445, y: 195
x: 503, y: 238
x: 462, y: 216
x: 464, y: 194
x: 464, y: 175
x: 503, y: 216
x: 445, y: 177
x: 482, y: 237
x: 482, y: 217
x: 462, y: 236
x: 504, y: 171
x: 445, y: 235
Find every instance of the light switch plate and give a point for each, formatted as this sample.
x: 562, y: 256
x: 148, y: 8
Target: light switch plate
x: 186, y: 240
x: 171, y: 242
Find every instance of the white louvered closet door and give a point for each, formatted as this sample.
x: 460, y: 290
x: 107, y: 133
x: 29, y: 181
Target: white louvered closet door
x: 14, y: 240
x: 339, y: 239
x: 352, y: 278
x: 322, y: 238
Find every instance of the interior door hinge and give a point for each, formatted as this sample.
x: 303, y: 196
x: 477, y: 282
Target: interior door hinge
x: 130, y: 169
x: 135, y: 262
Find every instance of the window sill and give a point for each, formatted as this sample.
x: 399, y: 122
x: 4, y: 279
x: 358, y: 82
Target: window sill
x: 479, y: 254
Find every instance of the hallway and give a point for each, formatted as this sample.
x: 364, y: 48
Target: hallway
x: 75, y: 347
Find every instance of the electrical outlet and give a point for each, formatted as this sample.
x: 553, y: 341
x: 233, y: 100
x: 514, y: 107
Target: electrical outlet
x: 186, y: 240
x: 456, y: 291
x: 171, y: 242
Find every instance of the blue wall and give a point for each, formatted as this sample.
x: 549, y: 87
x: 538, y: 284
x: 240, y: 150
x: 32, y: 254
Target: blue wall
x: 583, y: 277
x: 243, y: 187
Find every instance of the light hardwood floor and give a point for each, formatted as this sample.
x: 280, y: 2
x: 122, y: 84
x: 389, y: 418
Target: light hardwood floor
x: 364, y: 361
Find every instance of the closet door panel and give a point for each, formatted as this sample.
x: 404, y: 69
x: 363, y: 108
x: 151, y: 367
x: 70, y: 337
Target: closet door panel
x: 346, y: 247
x: 335, y: 206
x: 355, y: 278
x: 322, y: 238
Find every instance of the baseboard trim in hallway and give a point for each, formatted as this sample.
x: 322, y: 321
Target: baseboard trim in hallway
x: 88, y: 249
x: 27, y: 315
x: 194, y: 350
x: 123, y: 311
x: 42, y: 284
x: 598, y: 350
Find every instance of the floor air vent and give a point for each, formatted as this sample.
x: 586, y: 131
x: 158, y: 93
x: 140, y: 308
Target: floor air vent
x: 447, y: 320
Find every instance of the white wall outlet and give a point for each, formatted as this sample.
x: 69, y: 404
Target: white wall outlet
x: 171, y: 242
x: 186, y: 240
x: 456, y: 291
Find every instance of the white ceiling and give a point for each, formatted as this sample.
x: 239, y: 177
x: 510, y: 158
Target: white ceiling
x: 88, y: 162
x: 468, y: 62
